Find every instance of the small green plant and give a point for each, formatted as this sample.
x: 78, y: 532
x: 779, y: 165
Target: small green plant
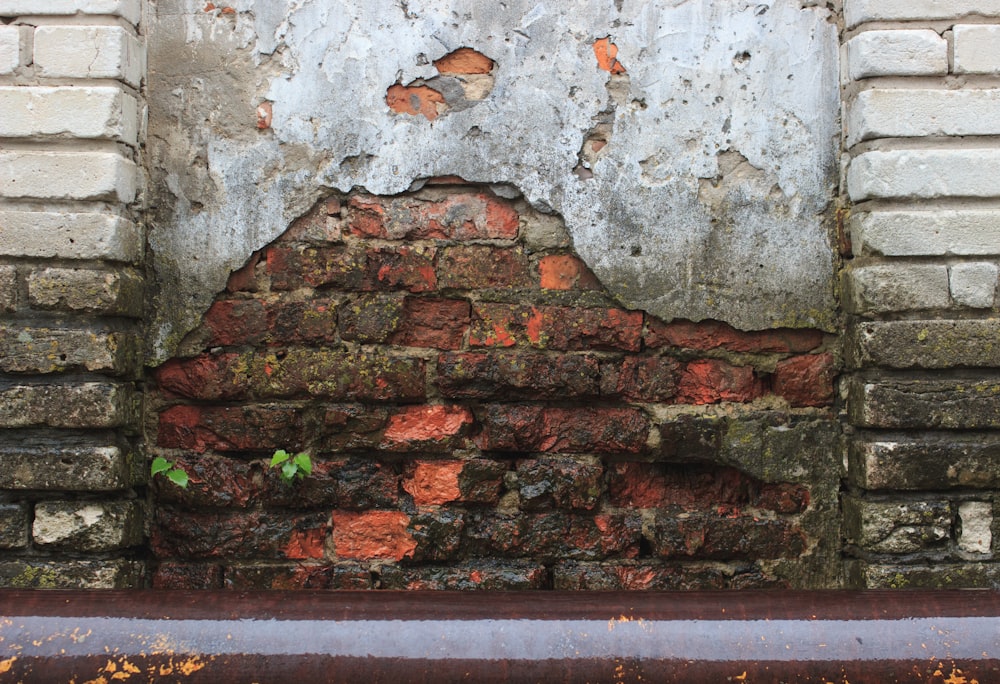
x: 299, y: 465
x: 178, y: 476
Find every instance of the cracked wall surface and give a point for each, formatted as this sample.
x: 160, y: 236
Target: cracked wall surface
x: 715, y: 123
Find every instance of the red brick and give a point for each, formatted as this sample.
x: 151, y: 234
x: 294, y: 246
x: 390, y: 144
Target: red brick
x: 555, y: 327
x: 415, y: 100
x: 481, y: 375
x: 372, y: 535
x: 370, y: 319
x: 295, y: 267
x: 478, y: 267
x: 783, y: 498
x: 640, y: 378
x: 655, y: 485
x: 229, y: 428
x: 316, y: 226
x: 351, y: 426
x: 438, y: 534
x: 544, y: 536
x: 433, y: 323
x: 209, y: 376
x: 464, y: 61
x: 402, y: 268
x: 355, y: 484
x: 560, y: 483
x: 806, y: 380
x: 459, y: 216
x: 187, y: 576
x: 432, y: 483
x: 251, y: 321
x: 473, y: 575
x: 181, y: 534
x: 710, y: 381
x: 213, y: 482
x: 606, y: 53
x: 636, y: 576
x: 708, y: 335
x: 528, y: 428
x: 723, y: 537
x: 245, y: 279
x: 351, y: 576
x: 566, y: 272
x: 423, y: 428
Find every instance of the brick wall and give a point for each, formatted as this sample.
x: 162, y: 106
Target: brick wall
x: 482, y: 415
x: 70, y: 293
x: 921, y: 92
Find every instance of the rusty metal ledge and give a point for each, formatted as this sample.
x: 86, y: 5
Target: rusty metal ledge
x: 300, y: 637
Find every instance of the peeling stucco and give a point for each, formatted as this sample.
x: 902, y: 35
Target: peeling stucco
x: 708, y: 199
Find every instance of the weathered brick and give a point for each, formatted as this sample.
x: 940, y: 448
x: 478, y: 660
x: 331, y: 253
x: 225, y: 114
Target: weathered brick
x: 560, y: 483
x: 81, y: 405
x: 974, y: 284
x: 377, y: 269
x: 891, y: 527
x: 187, y: 576
x: 350, y: 576
x: 351, y: 426
x: 254, y: 321
x: 320, y: 225
x: 806, y: 380
x: 333, y: 374
x: 477, y: 375
x: 911, y: 113
x: 640, y: 378
x: 925, y: 404
x: 708, y: 335
x: 68, y: 112
x: 48, y: 350
x: 107, y: 573
x: 975, y: 530
x: 433, y: 483
x: 688, y: 438
x: 353, y: 484
x: 130, y: 10
x: 69, y: 235
x: 557, y: 535
x: 935, y: 462
x: 437, y: 533
x: 402, y: 268
x: 115, y: 293
x: 480, y: 267
x: 61, y: 175
x: 654, y: 485
x: 860, y: 11
x: 932, y: 232
x: 924, y: 174
x: 887, y: 288
x: 527, y: 428
x: 710, y: 381
x: 10, y: 49
x: 88, y: 52
x: 899, y: 52
x: 566, y: 272
x: 371, y: 319
x: 231, y: 428
x: 13, y: 526
x: 464, y: 61
x: 46, y: 464
x: 715, y: 536
x: 471, y: 575
x: 976, y: 50
x: 555, y: 327
x: 426, y: 428
x: 457, y: 216
x: 636, y: 576
x: 87, y: 526
x: 8, y: 289
x: 936, y: 576
x: 923, y: 344
x: 371, y: 535
x: 434, y: 323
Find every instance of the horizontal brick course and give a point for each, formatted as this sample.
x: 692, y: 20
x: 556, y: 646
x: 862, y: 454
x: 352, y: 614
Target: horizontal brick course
x: 937, y: 232
x: 860, y: 11
x: 69, y: 235
x: 101, y: 113
x: 64, y: 465
x: 899, y: 52
x: 67, y: 176
x: 82, y: 290
x: 977, y: 49
x: 80, y: 405
x: 48, y: 350
x: 907, y: 113
x: 924, y: 174
x: 88, y: 52
x: 87, y: 526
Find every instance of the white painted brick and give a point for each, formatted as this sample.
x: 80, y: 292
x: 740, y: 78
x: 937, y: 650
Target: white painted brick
x: 977, y: 524
x: 885, y: 288
x: 899, y: 113
x: 87, y: 52
x: 104, y: 112
x: 57, y: 235
x: 919, y: 52
x: 924, y: 174
x: 974, y: 285
x: 939, y: 232
x: 977, y: 49
x: 127, y: 9
x: 67, y: 176
x: 10, y: 48
x: 859, y: 11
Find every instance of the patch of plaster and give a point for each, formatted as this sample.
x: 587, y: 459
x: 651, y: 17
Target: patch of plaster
x: 705, y: 78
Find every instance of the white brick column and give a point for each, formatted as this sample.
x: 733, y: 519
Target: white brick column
x: 922, y: 112
x: 71, y: 290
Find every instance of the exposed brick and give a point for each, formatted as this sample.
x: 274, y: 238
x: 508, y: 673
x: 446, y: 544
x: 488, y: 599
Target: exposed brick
x: 183, y: 534
x: 415, y: 100
x: 636, y: 576
x: 67, y: 175
x: 948, y: 461
x: 354, y: 484
x: 99, y: 112
x: 13, y: 526
x: 402, y: 268
x: 691, y: 438
x: 714, y: 536
x: 115, y: 293
x: 87, y: 526
x: 650, y: 378
x: 471, y: 575
x: 936, y: 576
x: 459, y: 216
x: 516, y: 376
x: 246, y: 278
x: 332, y: 374
x: 372, y: 535
x: 925, y: 404
x: 378, y: 269
x: 606, y: 53
x: 566, y: 272
x: 560, y: 482
x: 87, y: 52
x: 806, y: 380
x: 107, y: 573
x: 464, y: 61
x: 433, y: 483
x: 479, y: 267
x: 187, y: 576
x: 426, y: 428
x: 710, y: 381
x: 230, y: 428
x: 481, y: 480
x: 555, y: 327
x: 708, y: 335
x: 69, y: 235
x: 349, y: 576
x: 527, y: 428
x: 252, y: 321
x: 437, y: 533
x: 544, y: 536
x: 370, y: 319
x: 81, y: 405
x: 654, y: 485
x: 897, y: 527
x: 351, y: 426
x: 434, y: 323
x: 213, y: 482
x: 782, y: 498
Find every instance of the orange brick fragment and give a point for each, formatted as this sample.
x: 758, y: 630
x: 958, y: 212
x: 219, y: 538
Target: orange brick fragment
x: 434, y: 482
x: 464, y: 61
x: 607, y: 53
x: 372, y: 535
x: 414, y: 100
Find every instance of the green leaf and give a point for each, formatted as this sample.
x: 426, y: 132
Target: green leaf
x: 304, y: 464
x: 178, y: 477
x: 280, y: 456
x: 160, y: 465
x: 288, y: 471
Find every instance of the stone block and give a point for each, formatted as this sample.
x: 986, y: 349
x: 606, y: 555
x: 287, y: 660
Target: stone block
x: 887, y: 288
x: 13, y: 526
x: 88, y: 52
x: 70, y: 235
x: 45, y: 464
x: 84, y: 526
x: 952, y: 404
x: 861, y: 11
x: 110, y: 573
x: 923, y: 344
x: 924, y: 174
x: 976, y: 534
x: 911, y: 113
x: 67, y: 176
x: 977, y: 49
x: 94, y: 113
x: 113, y: 293
x: 130, y: 10
x: 937, y: 232
x: 974, y: 284
x: 80, y: 405
x: 865, y: 575
x: 934, y: 461
x: 904, y: 52
x: 8, y: 289
x: 10, y: 49
x: 891, y: 527
x: 48, y: 350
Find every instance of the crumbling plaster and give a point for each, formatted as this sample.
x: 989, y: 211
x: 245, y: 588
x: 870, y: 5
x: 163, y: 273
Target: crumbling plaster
x: 710, y: 199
